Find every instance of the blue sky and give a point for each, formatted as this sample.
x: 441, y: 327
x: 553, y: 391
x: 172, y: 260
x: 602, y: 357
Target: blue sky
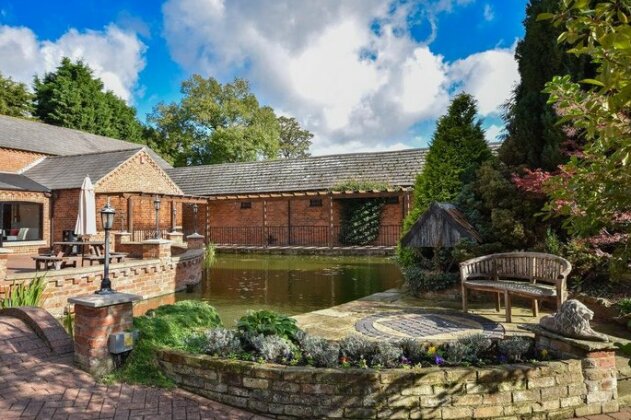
x: 361, y: 74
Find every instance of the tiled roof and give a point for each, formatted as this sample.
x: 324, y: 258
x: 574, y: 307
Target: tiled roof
x: 10, y: 181
x: 21, y: 134
x: 397, y: 169
x: 62, y: 172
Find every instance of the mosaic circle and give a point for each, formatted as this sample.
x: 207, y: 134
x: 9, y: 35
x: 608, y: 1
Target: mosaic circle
x: 430, y: 326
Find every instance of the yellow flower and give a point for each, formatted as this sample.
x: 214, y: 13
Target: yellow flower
x: 431, y: 350
x: 544, y: 353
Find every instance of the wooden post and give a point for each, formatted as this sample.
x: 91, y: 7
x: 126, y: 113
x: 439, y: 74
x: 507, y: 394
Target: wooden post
x: 265, y: 230
x: 130, y: 215
x: 288, y: 221
x: 330, y: 239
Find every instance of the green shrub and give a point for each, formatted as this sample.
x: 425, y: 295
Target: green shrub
x: 357, y: 349
x: 222, y: 342
x: 273, y: 348
x: 515, y: 348
x: 209, y: 255
x: 176, y: 326
x: 624, y: 306
x: 320, y: 352
x: 361, y: 220
x: 386, y: 354
x: 25, y: 294
x: 468, y: 349
x: 268, y: 323
x: 420, y: 280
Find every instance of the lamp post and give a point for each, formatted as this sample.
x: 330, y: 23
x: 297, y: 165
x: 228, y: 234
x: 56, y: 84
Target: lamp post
x: 107, y: 219
x: 195, y: 216
x: 156, y: 206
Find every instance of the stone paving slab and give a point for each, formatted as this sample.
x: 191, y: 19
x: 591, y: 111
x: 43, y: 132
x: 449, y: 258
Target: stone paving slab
x: 35, y: 383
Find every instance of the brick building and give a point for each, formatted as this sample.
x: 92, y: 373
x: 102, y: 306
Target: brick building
x: 297, y: 201
x: 278, y: 202
x: 42, y: 168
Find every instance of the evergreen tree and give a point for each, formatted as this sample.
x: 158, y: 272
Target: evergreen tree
x: 15, y: 99
x: 533, y: 139
x: 72, y: 97
x: 457, y: 149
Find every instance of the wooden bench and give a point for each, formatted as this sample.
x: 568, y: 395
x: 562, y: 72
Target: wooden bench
x: 532, y: 275
x: 57, y: 261
x: 117, y: 256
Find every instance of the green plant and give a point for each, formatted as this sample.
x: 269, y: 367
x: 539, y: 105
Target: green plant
x: 360, y: 185
x: 515, y: 348
x: 386, y: 354
x: 361, y: 220
x: 268, y: 323
x: 222, y: 342
x: 320, y: 352
x: 176, y: 326
x: 357, y: 349
x: 68, y: 322
x: 467, y: 349
x: 624, y: 306
x: 209, y: 255
x: 25, y: 294
x: 420, y: 280
x: 273, y: 348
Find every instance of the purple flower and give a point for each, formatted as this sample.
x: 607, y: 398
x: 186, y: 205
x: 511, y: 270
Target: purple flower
x: 405, y: 361
x: 503, y: 359
x: 439, y: 360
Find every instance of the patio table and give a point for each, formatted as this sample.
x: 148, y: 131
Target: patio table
x: 93, y: 247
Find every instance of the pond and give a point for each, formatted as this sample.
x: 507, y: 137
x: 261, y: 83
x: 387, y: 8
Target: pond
x: 290, y: 284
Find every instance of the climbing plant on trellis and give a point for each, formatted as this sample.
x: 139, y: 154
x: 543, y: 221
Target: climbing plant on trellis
x: 361, y: 219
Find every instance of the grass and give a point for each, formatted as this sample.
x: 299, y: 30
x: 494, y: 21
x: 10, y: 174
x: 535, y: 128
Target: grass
x: 169, y: 326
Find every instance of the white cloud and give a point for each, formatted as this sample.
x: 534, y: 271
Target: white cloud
x: 489, y: 14
x: 115, y: 55
x: 493, y: 132
x: 356, y: 84
x: 490, y: 76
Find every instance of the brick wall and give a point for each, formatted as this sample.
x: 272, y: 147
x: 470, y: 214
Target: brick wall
x: 148, y: 278
x: 267, y: 221
x: 138, y: 174
x: 12, y: 160
x: 31, y: 197
x: 546, y: 390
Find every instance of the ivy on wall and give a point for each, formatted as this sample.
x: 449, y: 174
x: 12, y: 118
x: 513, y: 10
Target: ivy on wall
x: 361, y: 219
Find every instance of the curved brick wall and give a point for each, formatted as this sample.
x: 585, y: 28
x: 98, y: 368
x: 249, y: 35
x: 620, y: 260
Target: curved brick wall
x: 557, y: 389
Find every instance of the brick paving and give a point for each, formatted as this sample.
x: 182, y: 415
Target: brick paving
x: 36, y: 383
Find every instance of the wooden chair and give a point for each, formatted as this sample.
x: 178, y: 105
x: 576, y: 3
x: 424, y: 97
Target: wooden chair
x: 532, y: 275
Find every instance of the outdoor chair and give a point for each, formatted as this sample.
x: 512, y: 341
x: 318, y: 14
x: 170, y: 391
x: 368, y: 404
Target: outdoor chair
x: 20, y: 236
x: 533, y: 275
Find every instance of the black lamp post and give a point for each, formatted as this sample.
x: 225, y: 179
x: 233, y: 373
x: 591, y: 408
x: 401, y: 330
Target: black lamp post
x: 156, y: 206
x: 107, y: 219
x: 195, y: 216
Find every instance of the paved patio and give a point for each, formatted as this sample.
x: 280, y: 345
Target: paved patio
x: 37, y: 384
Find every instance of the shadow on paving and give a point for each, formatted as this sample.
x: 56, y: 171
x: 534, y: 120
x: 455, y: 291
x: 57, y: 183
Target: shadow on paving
x: 36, y: 383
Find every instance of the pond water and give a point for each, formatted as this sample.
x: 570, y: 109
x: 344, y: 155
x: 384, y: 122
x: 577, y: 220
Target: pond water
x: 290, y: 284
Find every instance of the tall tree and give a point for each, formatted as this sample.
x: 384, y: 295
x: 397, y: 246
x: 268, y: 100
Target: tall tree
x: 15, y: 99
x: 294, y: 140
x: 457, y: 149
x: 72, y: 97
x: 532, y: 137
x: 215, y: 123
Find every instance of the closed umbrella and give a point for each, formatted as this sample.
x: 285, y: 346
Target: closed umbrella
x: 86, y: 219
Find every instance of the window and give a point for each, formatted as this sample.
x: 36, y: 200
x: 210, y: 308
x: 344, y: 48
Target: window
x: 315, y: 202
x: 392, y: 200
x: 246, y: 205
x: 20, y: 221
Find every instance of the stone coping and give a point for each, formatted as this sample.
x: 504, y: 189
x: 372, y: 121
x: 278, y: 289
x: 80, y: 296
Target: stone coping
x: 129, y: 263
x: 100, y: 301
x: 581, y: 344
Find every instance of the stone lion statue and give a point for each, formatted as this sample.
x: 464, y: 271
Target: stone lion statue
x: 572, y: 320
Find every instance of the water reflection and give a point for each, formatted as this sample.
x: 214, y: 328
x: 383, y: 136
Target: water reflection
x: 291, y: 284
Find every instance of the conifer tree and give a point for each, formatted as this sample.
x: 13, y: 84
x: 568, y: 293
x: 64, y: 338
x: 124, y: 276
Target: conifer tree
x: 533, y: 138
x: 72, y: 97
x: 457, y: 149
